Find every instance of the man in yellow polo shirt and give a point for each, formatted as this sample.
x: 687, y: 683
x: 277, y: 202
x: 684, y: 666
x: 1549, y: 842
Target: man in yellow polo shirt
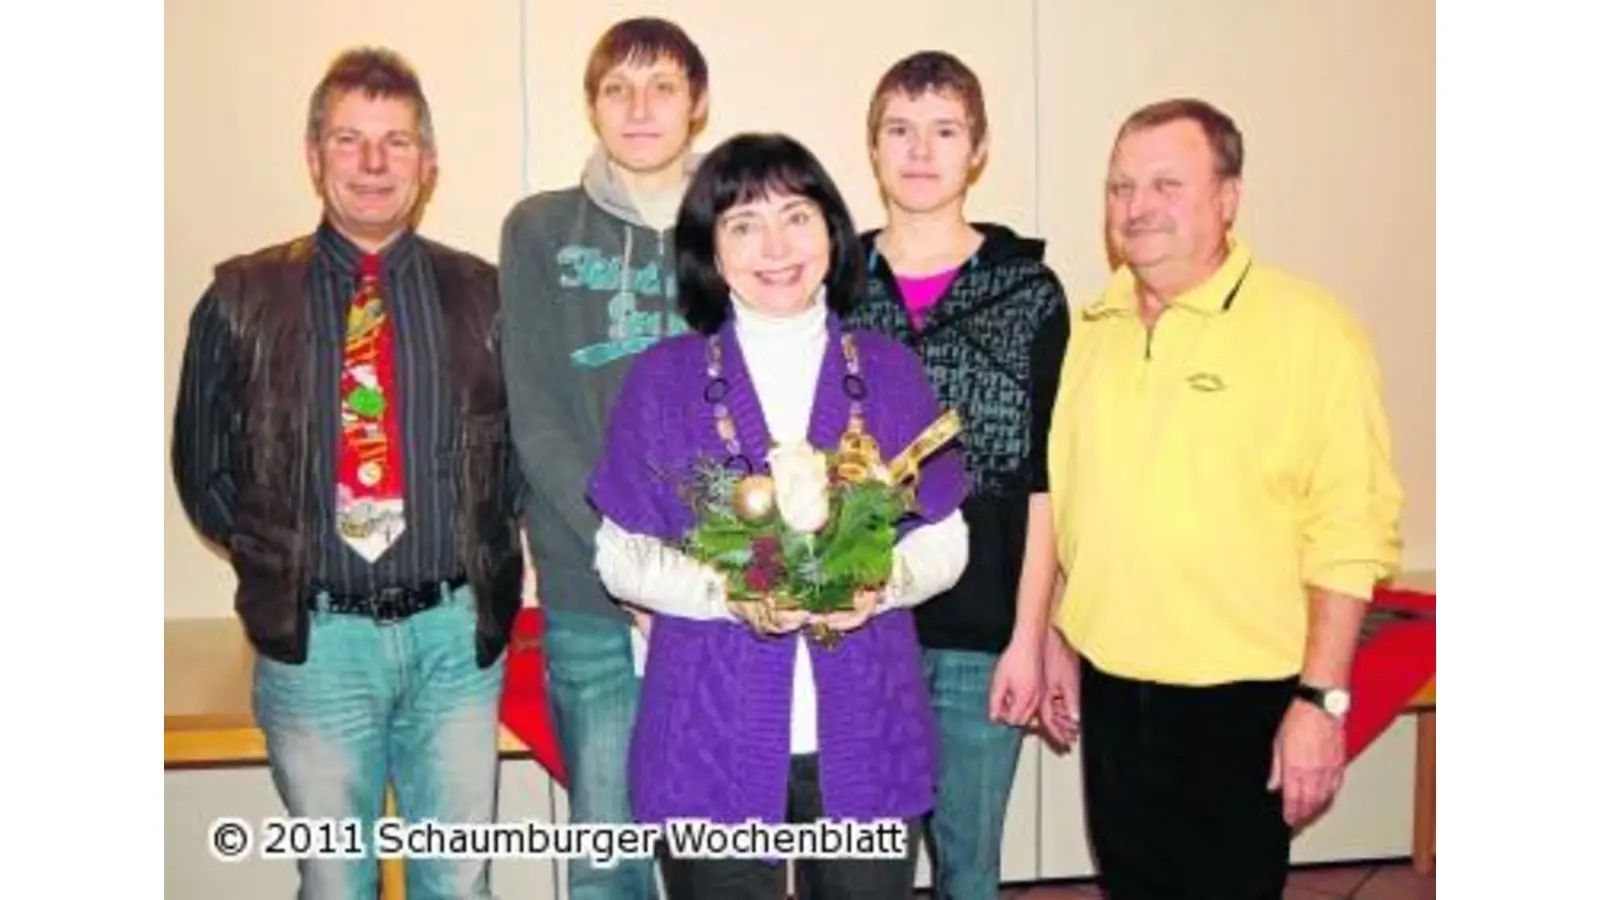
x: 1224, y: 501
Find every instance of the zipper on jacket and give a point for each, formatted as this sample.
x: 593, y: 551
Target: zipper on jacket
x: 1149, y: 352
x: 1150, y: 334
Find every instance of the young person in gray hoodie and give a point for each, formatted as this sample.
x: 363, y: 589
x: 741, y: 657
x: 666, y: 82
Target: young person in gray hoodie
x: 586, y: 284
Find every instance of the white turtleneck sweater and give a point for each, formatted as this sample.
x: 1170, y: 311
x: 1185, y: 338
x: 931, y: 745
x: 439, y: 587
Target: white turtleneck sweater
x: 784, y: 356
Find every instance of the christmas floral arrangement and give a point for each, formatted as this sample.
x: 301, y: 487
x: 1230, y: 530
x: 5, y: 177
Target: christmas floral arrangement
x: 818, y: 529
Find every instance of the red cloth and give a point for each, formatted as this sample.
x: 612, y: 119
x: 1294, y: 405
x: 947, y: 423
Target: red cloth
x: 525, y: 701
x: 1391, y: 668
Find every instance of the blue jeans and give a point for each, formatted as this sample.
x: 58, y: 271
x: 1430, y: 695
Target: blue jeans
x: 977, y: 762
x: 376, y: 702
x: 595, y: 694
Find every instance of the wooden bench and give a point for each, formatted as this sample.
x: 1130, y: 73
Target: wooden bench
x: 208, y: 719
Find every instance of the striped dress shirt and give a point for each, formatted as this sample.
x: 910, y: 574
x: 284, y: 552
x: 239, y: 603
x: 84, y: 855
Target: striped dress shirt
x: 426, y: 551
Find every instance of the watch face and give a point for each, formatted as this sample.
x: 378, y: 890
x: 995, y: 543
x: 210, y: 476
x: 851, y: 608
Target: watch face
x: 1336, y: 702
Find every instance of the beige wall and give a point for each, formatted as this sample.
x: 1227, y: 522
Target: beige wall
x: 1335, y: 99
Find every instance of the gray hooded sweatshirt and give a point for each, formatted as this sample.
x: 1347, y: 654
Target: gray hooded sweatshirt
x: 585, y: 286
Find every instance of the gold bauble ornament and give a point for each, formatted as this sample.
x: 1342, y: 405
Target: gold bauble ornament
x: 755, y: 499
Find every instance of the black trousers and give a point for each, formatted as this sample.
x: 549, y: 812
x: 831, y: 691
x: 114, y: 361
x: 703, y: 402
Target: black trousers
x: 815, y: 879
x: 1175, y: 783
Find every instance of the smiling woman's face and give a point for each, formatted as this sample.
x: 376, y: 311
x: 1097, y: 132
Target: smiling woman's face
x: 773, y: 252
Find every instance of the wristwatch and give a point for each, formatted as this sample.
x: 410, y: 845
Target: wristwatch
x: 1333, y: 701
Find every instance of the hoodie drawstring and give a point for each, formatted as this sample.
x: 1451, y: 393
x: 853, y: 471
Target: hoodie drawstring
x: 627, y: 259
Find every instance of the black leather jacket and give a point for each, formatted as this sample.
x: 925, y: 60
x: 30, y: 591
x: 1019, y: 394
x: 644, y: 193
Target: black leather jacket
x: 247, y: 358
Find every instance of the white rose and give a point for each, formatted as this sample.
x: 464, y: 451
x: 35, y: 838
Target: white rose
x: 800, y: 481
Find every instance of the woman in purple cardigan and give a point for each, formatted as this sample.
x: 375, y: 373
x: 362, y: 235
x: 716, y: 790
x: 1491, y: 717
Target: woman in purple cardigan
x: 743, y: 715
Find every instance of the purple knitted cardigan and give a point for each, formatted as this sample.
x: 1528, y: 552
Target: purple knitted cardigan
x: 711, y: 739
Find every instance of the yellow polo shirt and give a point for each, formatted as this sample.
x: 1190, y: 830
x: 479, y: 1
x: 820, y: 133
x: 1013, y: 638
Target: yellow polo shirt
x: 1206, y: 471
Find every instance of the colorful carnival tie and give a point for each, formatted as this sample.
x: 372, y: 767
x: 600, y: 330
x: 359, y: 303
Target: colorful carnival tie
x: 371, y: 503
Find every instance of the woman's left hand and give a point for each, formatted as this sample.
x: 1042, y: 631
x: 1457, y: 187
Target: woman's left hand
x: 866, y: 606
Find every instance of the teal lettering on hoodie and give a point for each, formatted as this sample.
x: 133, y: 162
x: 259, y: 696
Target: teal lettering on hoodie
x: 593, y: 287
x: 588, y: 267
x: 630, y: 330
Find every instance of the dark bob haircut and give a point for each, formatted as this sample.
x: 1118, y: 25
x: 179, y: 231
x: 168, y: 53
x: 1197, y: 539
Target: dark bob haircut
x: 751, y: 167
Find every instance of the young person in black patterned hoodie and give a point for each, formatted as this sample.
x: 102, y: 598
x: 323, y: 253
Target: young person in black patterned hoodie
x: 989, y: 320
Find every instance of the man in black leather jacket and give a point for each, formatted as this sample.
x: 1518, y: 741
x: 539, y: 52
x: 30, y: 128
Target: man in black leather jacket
x: 341, y: 434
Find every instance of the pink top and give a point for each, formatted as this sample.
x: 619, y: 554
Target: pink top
x: 923, y: 291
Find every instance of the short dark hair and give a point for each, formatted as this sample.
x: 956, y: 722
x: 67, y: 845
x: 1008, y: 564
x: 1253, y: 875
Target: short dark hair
x: 376, y: 72
x: 644, y: 40
x: 930, y: 70
x: 750, y: 167
x: 1227, y: 144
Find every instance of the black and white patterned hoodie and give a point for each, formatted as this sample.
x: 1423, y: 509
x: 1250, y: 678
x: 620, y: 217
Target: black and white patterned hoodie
x: 992, y: 346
